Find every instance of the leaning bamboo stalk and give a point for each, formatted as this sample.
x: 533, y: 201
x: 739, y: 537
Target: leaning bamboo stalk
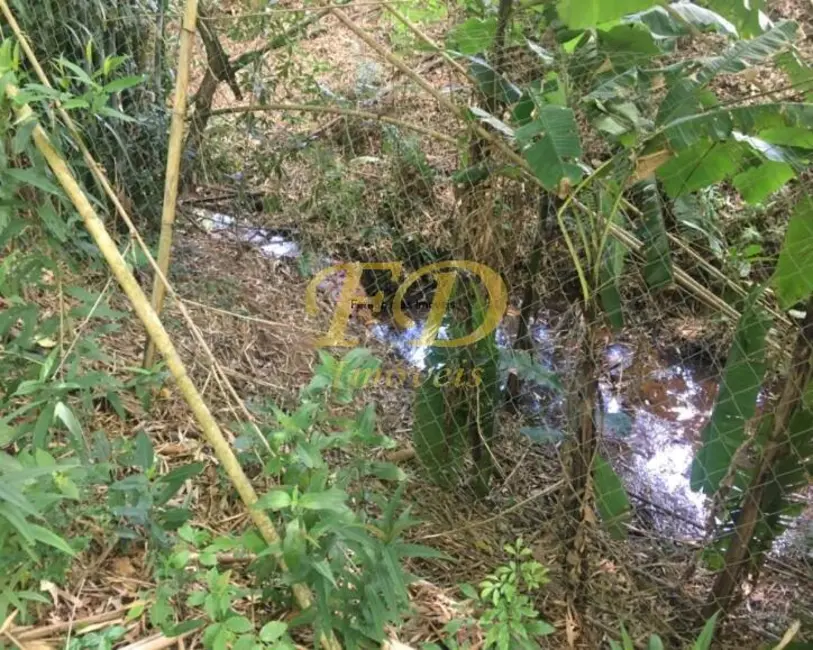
x: 173, y: 172
x: 163, y: 343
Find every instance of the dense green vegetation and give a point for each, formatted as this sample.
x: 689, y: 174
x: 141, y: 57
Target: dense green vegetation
x: 608, y: 118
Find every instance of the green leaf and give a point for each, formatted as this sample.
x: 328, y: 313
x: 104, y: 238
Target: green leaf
x: 143, y: 455
x: 333, y: 499
x: 552, y: 157
x: 700, y: 166
x: 736, y: 400
x: 611, y: 498
x: 707, y: 635
x: 32, y: 177
x: 492, y: 84
x: 473, y: 36
x: 275, y: 500
x: 793, y: 279
x: 757, y: 183
x: 744, y: 54
x: 273, y: 631
x: 173, y: 481
x: 658, y: 265
x: 63, y: 413
x: 51, y: 539
x: 581, y: 14
x: 744, y: 14
x: 53, y: 223
x: 122, y: 84
x: 655, y: 643
x: 239, y: 624
x: 681, y: 19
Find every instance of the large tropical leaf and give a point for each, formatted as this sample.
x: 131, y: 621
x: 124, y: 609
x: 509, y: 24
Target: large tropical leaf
x: 699, y: 166
x: 757, y: 183
x: 684, y: 97
x: 793, y: 279
x: 744, y: 54
x: 744, y: 14
x: 611, y: 498
x: 552, y: 156
x: 736, y: 400
x: 658, y: 265
x: 681, y: 20
x: 580, y: 14
x: 720, y: 123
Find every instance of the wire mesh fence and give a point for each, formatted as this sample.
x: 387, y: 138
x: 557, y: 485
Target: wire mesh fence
x: 573, y: 348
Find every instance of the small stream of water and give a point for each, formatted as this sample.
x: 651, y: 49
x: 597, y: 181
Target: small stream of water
x: 652, y: 425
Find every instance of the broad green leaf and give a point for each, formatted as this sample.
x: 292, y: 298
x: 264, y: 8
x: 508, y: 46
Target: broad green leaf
x: 793, y: 279
x: 683, y: 16
x: 239, y: 624
x: 654, y: 643
x: 744, y: 14
x: 757, y: 183
x: 744, y: 54
x: 333, y: 499
x: 700, y: 166
x: 720, y: 123
x: 493, y: 85
x: 581, y: 14
x: 552, y: 157
x: 275, y: 500
x: 273, y: 631
x: 799, y: 71
x: 658, y: 266
x: 611, y: 498
x: 736, y: 400
x: 473, y: 36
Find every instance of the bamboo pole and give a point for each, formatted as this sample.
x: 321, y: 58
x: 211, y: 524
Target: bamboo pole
x: 171, y: 180
x: 163, y: 344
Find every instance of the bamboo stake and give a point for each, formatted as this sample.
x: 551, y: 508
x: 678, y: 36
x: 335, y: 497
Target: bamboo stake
x: 171, y: 180
x: 163, y: 343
